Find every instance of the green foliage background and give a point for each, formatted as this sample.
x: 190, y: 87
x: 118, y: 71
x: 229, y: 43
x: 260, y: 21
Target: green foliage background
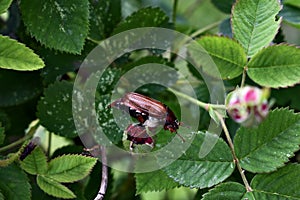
x: 43, y: 43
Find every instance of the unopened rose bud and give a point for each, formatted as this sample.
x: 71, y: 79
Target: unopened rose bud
x: 248, y: 105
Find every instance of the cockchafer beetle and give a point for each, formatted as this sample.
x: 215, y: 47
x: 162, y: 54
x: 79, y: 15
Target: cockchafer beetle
x: 149, y: 112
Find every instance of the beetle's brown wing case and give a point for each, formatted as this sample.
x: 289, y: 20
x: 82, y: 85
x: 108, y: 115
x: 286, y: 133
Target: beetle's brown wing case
x: 131, y: 108
x: 145, y: 104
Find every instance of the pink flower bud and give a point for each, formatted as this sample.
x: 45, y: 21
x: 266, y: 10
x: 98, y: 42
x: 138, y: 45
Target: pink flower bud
x: 248, y: 105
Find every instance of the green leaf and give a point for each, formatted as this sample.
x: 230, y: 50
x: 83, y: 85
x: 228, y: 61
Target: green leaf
x: 225, y: 191
x: 110, y: 127
x: 254, y: 24
x: 2, y: 135
x: 291, y: 14
x: 295, y: 3
x: 283, y: 184
x: 60, y: 63
x: 145, y: 17
x: 70, y: 149
x: 276, y: 137
x: 4, y: 5
x: 70, y: 168
x: 263, y: 68
x: 287, y: 97
x: 14, y: 184
x: 19, y: 87
x: 54, y: 188
x: 153, y: 181
x: 1, y: 196
x: 192, y: 171
x: 55, y: 109
x: 230, y: 59
x: 213, y: 115
x: 223, y: 5
x: 36, y: 162
x: 104, y: 16
x: 16, y: 56
x: 64, y: 23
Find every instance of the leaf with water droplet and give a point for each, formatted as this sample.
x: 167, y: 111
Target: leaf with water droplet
x: 153, y: 181
x: 105, y: 15
x: 64, y: 23
x: 276, y: 137
x: 145, y: 17
x: 282, y: 184
x: 55, y: 109
x: 192, y: 171
x: 228, y: 190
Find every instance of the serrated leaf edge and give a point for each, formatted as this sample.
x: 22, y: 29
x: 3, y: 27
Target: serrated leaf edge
x: 71, y: 155
x: 30, y: 51
x: 157, y: 190
x: 291, y: 155
x: 71, y: 192
x: 273, y: 46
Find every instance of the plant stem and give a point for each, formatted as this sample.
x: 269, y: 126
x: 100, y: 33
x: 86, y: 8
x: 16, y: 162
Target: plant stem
x: 206, y: 28
x: 193, y: 35
x: 231, y: 146
x: 206, y: 106
x: 49, y: 144
x: 244, y: 77
x: 104, y: 178
x: 94, y: 41
x: 224, y: 127
x: 21, y: 140
x: 174, y: 11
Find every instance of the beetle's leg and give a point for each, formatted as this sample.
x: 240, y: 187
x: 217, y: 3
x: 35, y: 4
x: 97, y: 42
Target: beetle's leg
x: 183, y: 140
x: 131, y: 146
x: 150, y: 144
x: 170, y: 128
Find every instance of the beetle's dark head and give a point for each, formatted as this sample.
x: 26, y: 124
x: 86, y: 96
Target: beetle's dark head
x: 172, y: 123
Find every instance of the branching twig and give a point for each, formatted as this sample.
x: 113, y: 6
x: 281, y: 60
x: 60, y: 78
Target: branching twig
x: 236, y: 160
x: 206, y: 106
x: 244, y: 76
x: 206, y: 28
x: 104, y: 178
x: 224, y: 127
x: 21, y: 140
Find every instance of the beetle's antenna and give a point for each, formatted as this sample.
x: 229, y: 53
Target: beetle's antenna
x: 183, y: 140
